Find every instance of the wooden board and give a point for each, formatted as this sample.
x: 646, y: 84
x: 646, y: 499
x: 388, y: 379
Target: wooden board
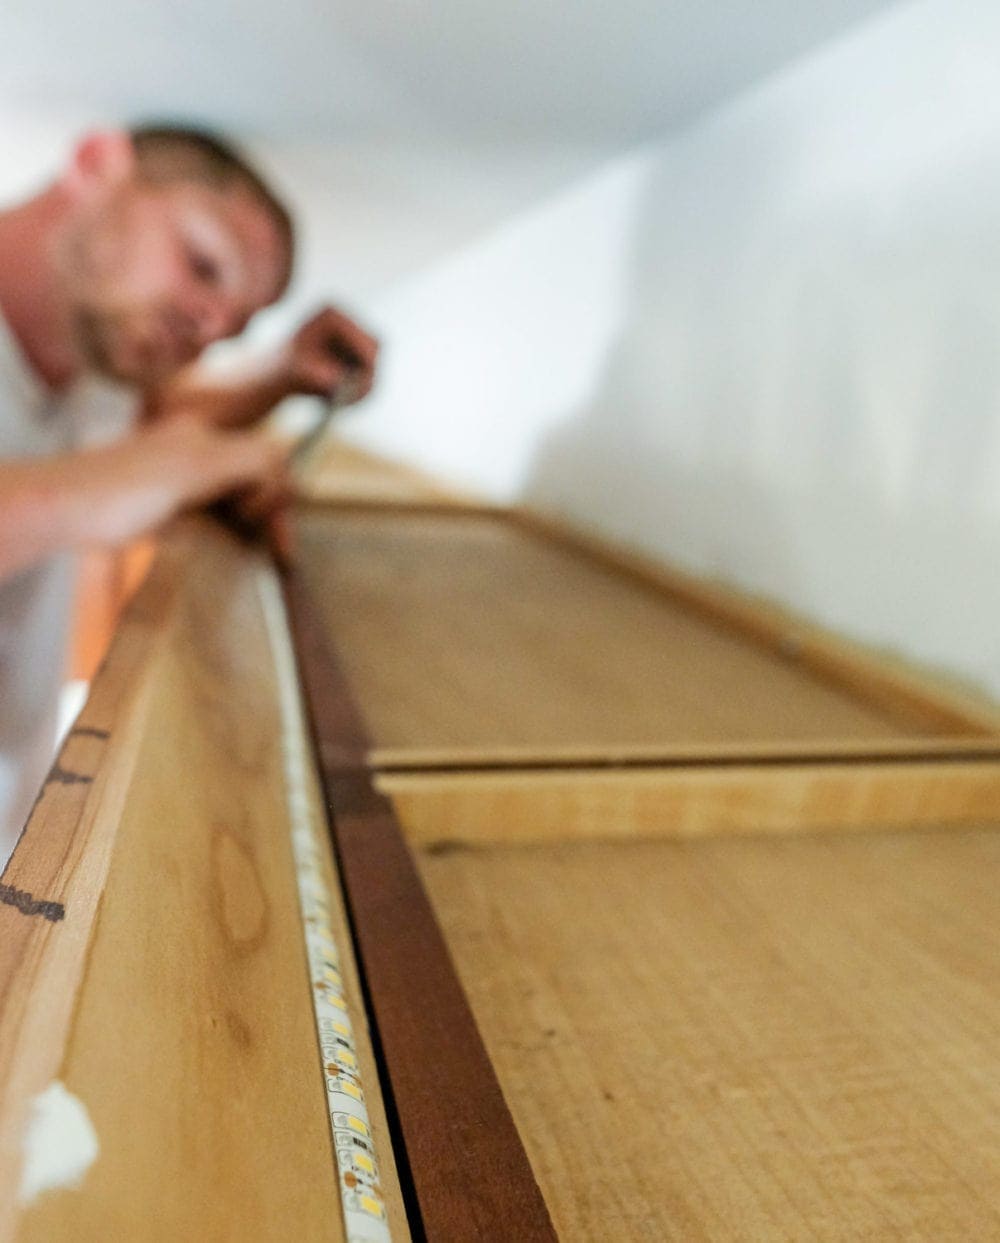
x: 522, y: 682
x: 184, y: 1019
x: 778, y: 1038
x: 771, y: 1039
x: 465, y: 635
x: 691, y: 800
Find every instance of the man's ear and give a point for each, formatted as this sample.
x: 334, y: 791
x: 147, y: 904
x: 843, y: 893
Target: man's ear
x: 100, y: 160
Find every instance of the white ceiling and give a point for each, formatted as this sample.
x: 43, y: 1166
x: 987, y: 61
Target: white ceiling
x: 582, y: 71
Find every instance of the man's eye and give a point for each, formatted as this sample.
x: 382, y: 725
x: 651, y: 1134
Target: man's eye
x: 203, y: 267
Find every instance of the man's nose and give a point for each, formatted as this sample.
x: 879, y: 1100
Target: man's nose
x: 213, y: 317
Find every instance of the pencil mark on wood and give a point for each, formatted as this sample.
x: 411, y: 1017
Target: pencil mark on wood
x: 239, y: 1030
x: 241, y: 901
x: 66, y: 777
x: 89, y: 731
x: 28, y: 904
x: 445, y: 847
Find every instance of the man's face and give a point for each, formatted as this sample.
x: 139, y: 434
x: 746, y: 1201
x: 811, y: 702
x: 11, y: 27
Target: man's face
x: 155, y: 272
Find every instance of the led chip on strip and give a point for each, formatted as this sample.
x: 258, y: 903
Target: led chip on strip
x: 370, y: 1205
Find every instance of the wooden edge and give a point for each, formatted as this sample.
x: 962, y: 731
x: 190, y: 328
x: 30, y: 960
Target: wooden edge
x: 464, y: 1167
x: 375, y: 480
x: 53, y: 881
x: 438, y: 810
x: 482, y: 759
x: 835, y: 659
x: 430, y: 508
x: 70, y: 848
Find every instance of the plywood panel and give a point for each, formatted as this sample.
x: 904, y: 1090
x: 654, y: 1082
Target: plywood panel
x: 53, y: 882
x: 468, y: 633
x: 191, y: 1041
x: 771, y: 1039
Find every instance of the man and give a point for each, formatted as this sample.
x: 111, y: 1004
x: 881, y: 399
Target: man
x: 152, y: 244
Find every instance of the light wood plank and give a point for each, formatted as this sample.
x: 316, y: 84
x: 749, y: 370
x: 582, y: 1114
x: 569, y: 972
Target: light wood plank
x: 774, y: 1039
x: 692, y: 801
x: 62, y: 858
x: 470, y: 633
x: 398, y: 759
x: 191, y: 1042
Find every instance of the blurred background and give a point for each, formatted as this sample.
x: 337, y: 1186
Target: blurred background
x: 719, y: 280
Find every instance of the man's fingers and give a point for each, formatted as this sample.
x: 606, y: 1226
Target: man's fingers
x: 330, y: 350
x: 265, y: 497
x: 280, y: 536
x: 252, y: 459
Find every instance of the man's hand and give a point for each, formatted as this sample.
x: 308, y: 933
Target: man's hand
x: 179, y: 463
x: 114, y: 494
x: 328, y: 351
x: 328, y: 354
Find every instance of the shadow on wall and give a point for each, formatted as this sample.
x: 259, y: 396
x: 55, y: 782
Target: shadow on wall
x: 805, y: 398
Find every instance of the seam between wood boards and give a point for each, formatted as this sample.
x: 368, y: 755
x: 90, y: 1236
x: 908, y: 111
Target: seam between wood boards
x: 352, y: 760
x: 359, y: 812
x: 432, y: 769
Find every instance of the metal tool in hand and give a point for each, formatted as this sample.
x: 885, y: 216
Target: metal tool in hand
x: 346, y: 392
x: 227, y: 508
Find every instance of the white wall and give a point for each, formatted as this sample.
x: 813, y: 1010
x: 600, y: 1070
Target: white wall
x: 769, y: 348
x: 493, y: 348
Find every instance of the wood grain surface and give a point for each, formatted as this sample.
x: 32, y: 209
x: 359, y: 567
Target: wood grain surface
x: 53, y: 882
x: 566, y: 804
x: 191, y: 1040
x: 462, y: 632
x: 781, y: 1039
x: 341, y: 474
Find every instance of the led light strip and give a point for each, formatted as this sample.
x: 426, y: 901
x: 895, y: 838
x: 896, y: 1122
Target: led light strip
x: 364, y: 1208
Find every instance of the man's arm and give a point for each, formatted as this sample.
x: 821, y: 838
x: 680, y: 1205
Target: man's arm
x: 327, y: 350
x: 192, y: 452
x: 112, y: 495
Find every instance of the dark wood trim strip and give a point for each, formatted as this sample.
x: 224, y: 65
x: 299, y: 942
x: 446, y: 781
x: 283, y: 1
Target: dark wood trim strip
x: 420, y: 507
x: 468, y: 1172
x: 436, y: 768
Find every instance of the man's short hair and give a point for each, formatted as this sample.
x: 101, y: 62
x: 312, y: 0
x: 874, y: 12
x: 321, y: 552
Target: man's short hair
x: 166, y: 152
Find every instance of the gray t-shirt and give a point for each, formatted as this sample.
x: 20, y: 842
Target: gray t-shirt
x: 35, y: 605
